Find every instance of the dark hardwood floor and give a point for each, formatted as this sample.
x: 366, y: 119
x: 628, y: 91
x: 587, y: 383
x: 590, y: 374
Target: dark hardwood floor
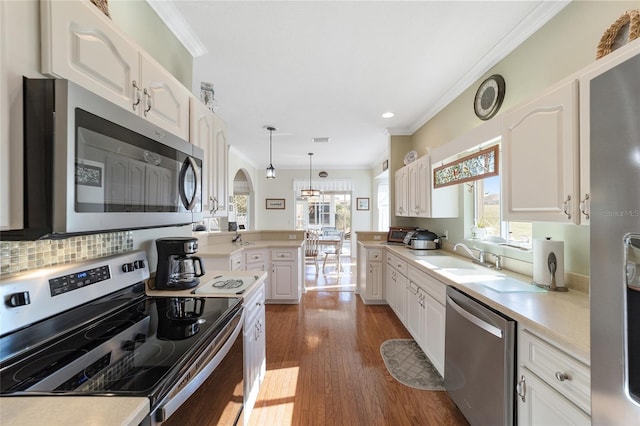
x: 324, y: 365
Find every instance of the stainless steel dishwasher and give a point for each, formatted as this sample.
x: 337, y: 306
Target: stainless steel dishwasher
x: 479, y: 360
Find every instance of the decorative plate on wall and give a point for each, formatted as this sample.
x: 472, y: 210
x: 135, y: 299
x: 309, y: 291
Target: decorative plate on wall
x: 410, y: 157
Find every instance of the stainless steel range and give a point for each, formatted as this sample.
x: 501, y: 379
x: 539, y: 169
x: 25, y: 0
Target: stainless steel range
x: 89, y: 329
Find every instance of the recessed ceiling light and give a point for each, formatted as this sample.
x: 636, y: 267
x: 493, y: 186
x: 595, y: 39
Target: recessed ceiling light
x: 388, y: 114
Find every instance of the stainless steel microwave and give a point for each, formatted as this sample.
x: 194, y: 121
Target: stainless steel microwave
x: 91, y: 166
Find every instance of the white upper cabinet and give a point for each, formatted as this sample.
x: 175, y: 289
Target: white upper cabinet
x: 401, y: 192
x: 165, y: 100
x: 541, y: 159
x: 419, y: 187
x: 208, y: 132
x: 415, y: 195
x: 81, y: 44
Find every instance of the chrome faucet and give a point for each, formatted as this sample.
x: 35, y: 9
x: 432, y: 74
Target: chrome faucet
x: 237, y: 238
x: 480, y: 257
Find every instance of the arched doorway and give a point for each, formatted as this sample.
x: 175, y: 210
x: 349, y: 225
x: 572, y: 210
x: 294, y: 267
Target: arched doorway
x: 243, y: 202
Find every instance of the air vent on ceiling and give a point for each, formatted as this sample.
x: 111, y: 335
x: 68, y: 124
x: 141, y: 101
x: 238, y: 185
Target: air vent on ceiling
x: 321, y: 140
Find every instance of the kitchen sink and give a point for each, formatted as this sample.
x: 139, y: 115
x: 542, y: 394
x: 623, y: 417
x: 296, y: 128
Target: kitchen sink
x: 510, y: 285
x: 445, y: 262
x: 471, y: 274
x: 490, y: 279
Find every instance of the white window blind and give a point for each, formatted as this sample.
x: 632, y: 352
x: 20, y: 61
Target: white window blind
x: 324, y: 185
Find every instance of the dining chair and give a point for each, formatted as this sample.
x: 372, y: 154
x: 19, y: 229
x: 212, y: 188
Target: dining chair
x: 312, y: 245
x: 335, y: 251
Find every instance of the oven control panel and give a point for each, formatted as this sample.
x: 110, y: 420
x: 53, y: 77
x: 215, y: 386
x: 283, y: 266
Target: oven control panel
x: 66, y: 283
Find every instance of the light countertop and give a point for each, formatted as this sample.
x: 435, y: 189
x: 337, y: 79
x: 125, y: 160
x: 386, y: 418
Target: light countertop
x: 562, y: 317
x: 228, y: 249
x: 207, y: 278
x: 57, y: 411
x: 99, y: 410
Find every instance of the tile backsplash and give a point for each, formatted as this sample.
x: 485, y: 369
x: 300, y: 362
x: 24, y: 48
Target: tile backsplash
x: 18, y: 256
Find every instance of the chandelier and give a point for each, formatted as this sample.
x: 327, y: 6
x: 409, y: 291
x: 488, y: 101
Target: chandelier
x: 306, y: 193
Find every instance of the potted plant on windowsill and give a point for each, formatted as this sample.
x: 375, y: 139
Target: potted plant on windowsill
x: 479, y: 230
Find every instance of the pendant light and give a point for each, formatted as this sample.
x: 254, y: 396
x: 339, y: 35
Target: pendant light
x: 271, y: 171
x: 306, y: 193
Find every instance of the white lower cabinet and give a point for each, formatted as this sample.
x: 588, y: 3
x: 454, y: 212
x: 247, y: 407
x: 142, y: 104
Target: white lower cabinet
x: 396, y: 282
x: 545, y: 406
x: 285, y: 276
x: 255, y: 361
x: 370, y: 275
x: 433, y: 344
x: 426, y: 315
x: 258, y: 260
x: 416, y: 317
x: 236, y: 262
x: 553, y: 386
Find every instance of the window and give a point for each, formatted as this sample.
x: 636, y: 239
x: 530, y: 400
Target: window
x: 326, y: 210
x: 383, y: 205
x: 487, y: 216
x: 242, y: 210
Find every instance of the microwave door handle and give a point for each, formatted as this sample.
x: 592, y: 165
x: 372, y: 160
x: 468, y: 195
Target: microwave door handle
x: 189, y: 163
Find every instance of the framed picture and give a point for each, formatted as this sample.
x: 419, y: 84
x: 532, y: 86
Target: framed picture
x: 275, y: 203
x: 362, y: 203
x: 385, y: 165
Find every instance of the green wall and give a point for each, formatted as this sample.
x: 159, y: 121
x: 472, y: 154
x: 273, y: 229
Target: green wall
x: 563, y: 46
x: 138, y: 20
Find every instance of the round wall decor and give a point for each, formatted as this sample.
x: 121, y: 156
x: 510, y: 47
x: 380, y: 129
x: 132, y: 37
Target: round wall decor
x: 489, y: 97
x: 624, y: 30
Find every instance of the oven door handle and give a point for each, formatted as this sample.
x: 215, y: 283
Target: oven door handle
x: 210, y: 363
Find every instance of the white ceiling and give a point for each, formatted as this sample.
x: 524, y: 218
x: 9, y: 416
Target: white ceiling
x: 331, y: 68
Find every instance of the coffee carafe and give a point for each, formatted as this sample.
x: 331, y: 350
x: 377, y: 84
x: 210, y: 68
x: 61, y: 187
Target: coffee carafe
x: 177, y: 269
x: 179, y: 317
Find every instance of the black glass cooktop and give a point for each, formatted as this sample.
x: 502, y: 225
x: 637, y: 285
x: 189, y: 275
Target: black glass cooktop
x: 132, y: 350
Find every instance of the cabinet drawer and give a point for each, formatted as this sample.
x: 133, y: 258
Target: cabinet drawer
x: 374, y: 255
x: 430, y: 285
x: 558, y: 369
x: 283, y: 254
x: 398, y: 264
x: 236, y: 262
x: 255, y: 256
x: 435, y: 289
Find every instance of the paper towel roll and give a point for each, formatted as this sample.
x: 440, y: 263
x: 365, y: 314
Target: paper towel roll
x: 542, y: 248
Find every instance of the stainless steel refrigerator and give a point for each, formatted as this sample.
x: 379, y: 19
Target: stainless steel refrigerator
x: 614, y: 134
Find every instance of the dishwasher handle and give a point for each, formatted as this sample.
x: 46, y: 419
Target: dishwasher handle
x: 474, y: 319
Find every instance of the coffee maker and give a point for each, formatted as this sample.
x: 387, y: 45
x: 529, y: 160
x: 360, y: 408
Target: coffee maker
x: 177, y: 269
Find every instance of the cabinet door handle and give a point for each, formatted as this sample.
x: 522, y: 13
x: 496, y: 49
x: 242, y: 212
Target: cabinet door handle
x: 565, y: 206
x: 137, y: 94
x: 149, y: 100
x: 562, y: 376
x: 521, y: 388
x: 584, y: 206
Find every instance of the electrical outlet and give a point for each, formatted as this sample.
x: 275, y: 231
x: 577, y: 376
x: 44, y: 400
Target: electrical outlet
x: 377, y: 237
x: 446, y: 234
x: 292, y: 236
